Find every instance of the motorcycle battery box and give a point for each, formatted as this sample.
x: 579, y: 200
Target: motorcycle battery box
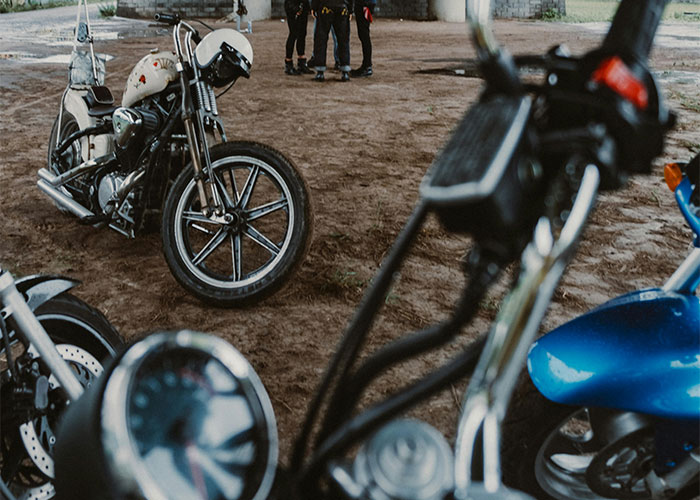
x: 481, y: 181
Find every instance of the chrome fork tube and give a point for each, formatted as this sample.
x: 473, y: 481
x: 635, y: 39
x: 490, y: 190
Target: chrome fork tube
x: 510, y: 337
x: 686, y: 278
x: 35, y: 334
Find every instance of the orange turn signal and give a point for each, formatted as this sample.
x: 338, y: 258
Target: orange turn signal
x: 673, y: 175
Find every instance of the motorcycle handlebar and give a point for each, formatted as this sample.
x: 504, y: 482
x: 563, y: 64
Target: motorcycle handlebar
x: 171, y: 19
x: 633, y: 28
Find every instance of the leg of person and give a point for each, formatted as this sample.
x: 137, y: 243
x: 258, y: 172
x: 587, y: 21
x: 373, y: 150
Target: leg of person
x: 302, y: 66
x: 341, y: 23
x: 363, y: 26
x: 289, y: 46
x: 325, y: 19
x: 363, y: 34
x: 335, y: 49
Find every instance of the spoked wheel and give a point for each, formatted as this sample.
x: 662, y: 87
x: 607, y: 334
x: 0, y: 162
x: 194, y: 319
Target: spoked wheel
x: 252, y: 248
x: 551, y: 451
x: 72, y: 156
x: 33, y: 404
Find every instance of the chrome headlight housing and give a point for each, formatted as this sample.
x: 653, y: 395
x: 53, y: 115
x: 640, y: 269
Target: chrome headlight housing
x: 178, y: 416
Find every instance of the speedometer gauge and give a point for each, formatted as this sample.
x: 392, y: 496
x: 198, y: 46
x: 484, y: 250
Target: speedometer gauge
x: 182, y: 416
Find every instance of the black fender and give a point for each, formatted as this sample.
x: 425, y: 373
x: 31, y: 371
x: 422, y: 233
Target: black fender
x: 39, y: 289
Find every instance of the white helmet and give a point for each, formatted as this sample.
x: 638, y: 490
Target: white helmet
x: 223, y: 55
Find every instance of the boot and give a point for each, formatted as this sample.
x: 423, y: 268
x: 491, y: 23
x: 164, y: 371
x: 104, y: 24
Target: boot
x: 320, y: 77
x: 289, y: 68
x: 303, y: 68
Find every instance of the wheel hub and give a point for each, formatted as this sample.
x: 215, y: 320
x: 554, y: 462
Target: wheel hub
x: 235, y: 221
x: 618, y: 470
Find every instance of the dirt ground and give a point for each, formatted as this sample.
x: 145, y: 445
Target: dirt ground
x: 363, y: 148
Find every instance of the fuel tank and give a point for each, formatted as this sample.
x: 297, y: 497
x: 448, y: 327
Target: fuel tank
x: 639, y: 352
x: 150, y: 75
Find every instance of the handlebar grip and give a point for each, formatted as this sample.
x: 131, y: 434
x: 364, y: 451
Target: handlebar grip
x: 633, y: 28
x: 171, y: 19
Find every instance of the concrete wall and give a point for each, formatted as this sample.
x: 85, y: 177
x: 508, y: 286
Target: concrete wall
x: 527, y: 8
x: 186, y: 8
x: 423, y: 10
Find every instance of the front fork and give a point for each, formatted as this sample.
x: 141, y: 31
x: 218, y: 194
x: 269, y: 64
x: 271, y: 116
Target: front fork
x: 199, y: 150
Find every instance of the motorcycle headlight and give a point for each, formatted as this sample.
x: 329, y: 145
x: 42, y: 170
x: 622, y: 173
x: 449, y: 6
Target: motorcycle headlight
x: 178, y: 416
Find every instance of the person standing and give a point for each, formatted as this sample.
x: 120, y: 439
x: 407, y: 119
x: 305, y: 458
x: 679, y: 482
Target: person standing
x: 364, y: 10
x: 336, y: 14
x: 297, y: 16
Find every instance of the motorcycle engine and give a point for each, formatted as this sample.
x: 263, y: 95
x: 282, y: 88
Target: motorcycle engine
x: 129, y: 122
x: 107, y: 186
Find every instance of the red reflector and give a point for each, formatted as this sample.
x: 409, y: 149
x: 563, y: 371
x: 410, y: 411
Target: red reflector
x: 618, y: 77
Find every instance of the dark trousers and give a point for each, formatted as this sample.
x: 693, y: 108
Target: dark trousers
x: 363, y: 34
x: 297, y: 32
x: 339, y: 19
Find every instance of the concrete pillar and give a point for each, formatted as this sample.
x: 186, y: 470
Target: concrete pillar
x: 453, y: 11
x: 257, y: 9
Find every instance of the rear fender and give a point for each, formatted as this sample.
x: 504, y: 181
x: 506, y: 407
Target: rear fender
x: 639, y: 352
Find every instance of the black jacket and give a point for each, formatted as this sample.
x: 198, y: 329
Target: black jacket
x: 296, y: 5
x: 317, y: 5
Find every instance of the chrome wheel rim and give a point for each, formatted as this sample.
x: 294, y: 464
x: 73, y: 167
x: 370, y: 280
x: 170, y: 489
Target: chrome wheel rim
x: 248, y: 241
x: 561, y: 463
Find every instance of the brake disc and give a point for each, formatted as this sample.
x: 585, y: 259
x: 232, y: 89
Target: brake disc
x: 38, y: 435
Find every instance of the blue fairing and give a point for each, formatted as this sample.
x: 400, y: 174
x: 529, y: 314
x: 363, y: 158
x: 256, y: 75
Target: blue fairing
x: 639, y: 352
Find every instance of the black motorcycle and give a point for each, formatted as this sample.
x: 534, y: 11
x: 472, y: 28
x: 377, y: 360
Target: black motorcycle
x: 235, y: 216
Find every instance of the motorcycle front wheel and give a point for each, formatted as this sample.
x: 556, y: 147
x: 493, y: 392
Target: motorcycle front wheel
x: 251, y: 249
x: 547, y: 449
x: 85, y: 339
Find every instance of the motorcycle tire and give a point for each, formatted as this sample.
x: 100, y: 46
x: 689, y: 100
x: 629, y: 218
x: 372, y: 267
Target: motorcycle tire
x: 543, y: 450
x: 69, y: 125
x: 86, y: 339
x: 264, y: 236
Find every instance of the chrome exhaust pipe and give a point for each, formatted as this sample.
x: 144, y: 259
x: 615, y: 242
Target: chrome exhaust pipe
x: 60, y: 198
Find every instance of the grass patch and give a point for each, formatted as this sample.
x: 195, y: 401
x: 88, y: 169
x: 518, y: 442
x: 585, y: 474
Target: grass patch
x: 107, y: 10
x: 586, y: 11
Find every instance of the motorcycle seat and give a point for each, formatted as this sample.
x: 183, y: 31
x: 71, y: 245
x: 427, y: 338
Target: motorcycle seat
x: 101, y: 111
x: 100, y: 102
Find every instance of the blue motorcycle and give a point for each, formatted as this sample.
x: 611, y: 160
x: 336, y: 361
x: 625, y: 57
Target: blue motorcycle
x: 621, y: 386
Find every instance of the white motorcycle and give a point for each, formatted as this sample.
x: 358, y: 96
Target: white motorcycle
x: 235, y: 216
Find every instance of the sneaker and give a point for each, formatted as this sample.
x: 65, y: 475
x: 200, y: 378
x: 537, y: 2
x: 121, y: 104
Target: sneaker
x: 319, y: 76
x: 361, y: 71
x: 345, y: 77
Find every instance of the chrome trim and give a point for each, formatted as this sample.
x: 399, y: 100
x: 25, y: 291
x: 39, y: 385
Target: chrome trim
x: 33, y: 332
x: 62, y: 199
x: 490, y: 388
x: 686, y: 278
x: 126, y: 464
x: 479, y: 16
x: 83, y: 168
